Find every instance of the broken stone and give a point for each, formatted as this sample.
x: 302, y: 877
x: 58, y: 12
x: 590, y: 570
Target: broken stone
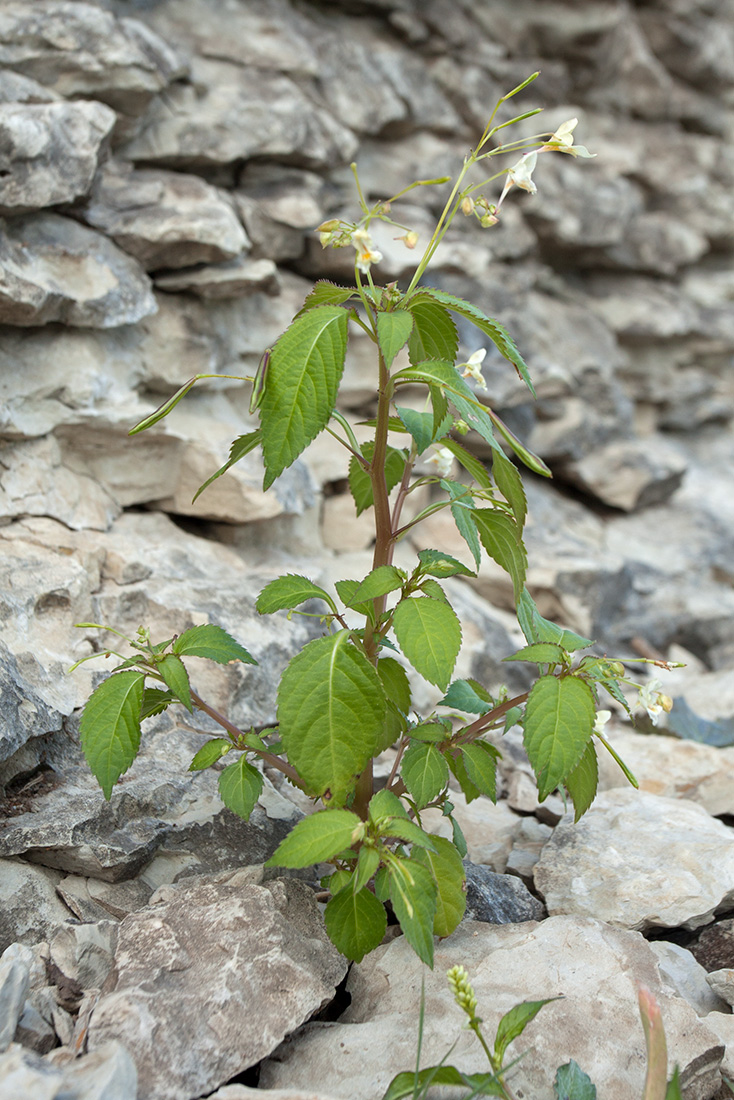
x: 231, y: 279
x: 722, y: 983
x: 498, y: 899
x: 15, y: 969
x: 31, y: 911
x: 630, y: 474
x: 687, y: 977
x: 714, y: 948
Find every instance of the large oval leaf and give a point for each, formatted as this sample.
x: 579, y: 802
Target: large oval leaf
x: 110, y: 727
x: 429, y: 634
x: 559, y: 721
x: 356, y: 923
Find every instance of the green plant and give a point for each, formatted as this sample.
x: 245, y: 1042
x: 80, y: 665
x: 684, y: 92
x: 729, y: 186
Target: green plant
x: 345, y: 698
x: 571, y: 1083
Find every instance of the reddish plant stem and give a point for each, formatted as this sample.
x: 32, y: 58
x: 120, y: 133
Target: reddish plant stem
x: 478, y: 727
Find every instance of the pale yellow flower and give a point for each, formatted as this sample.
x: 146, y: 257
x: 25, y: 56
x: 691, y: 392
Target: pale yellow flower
x: 367, y: 254
x: 472, y: 368
x: 562, y: 140
x: 443, y: 460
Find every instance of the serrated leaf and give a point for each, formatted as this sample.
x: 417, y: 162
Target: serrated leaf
x: 459, y: 840
x: 463, y: 696
x: 514, y: 1022
x: 437, y: 564
x: 395, y: 681
x: 432, y: 588
x: 442, y: 418
x: 458, y: 767
x: 447, y: 870
x: 430, y: 731
x: 583, y: 781
x: 497, y: 334
x: 537, y: 629
x: 345, y: 590
x: 325, y: 293
x: 380, y: 581
x: 209, y: 753
x: 240, y: 786
x: 289, y: 591
x: 424, y: 772
x: 434, y: 334
x: 316, y: 839
x: 559, y: 720
x: 385, y: 804
x: 407, y: 830
x: 368, y: 861
x: 471, y: 464
x: 444, y: 375
x: 500, y: 537
x: 423, y: 427
x: 416, y: 1084
x: 212, y: 642
x: 360, y: 485
x: 155, y: 701
x: 240, y: 447
x: 429, y: 634
x: 110, y: 727
x: 393, y: 330
x: 331, y: 709
x: 356, y: 923
x: 174, y: 673
x: 413, y: 894
x: 462, y: 506
x: 508, y: 481
x: 572, y: 1083
x: 540, y: 653
x: 306, y: 365
x: 480, y: 761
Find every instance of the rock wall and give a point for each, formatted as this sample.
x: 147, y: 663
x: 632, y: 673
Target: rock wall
x: 162, y: 166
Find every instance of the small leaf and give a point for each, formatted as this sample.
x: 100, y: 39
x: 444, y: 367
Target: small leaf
x: 360, y: 485
x: 463, y: 695
x: 368, y: 861
x: 458, y: 837
x: 164, y: 409
x: 325, y: 293
x: 458, y: 767
x: 241, y: 447
x: 510, y: 484
x: 424, y: 772
x: 429, y: 635
x: 514, y: 1022
x: 356, y: 923
x: 385, y: 804
x: 393, y: 330
x: 572, y: 1083
x: 209, y: 753
x: 583, y: 781
x: 438, y: 564
x: 380, y: 581
x: 473, y: 466
x: 537, y: 629
x: 410, y: 1084
x: 422, y: 427
x: 442, y: 374
x: 173, y: 672
x: 461, y: 509
x: 501, y: 539
x: 432, y: 588
x: 316, y: 839
x: 673, y: 1091
x: 209, y: 640
x: 240, y: 786
x: 413, y: 894
x: 285, y: 593
x: 559, y: 720
x: 155, y: 701
x: 110, y: 727
x: 447, y: 870
x: 395, y: 681
x: 346, y: 590
x: 430, y: 731
x: 541, y: 653
x: 480, y: 760
x: 434, y: 335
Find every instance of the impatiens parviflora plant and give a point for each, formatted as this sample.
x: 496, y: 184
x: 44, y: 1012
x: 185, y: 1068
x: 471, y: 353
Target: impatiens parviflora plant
x: 571, y: 1083
x: 346, y: 697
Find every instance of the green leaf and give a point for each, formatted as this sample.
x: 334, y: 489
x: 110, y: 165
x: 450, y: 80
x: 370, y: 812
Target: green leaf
x: 429, y: 634
x: 423, y: 427
x: 331, y: 708
x: 424, y: 772
x: 209, y: 640
x: 442, y: 418
x: 438, y: 564
x: 413, y: 894
x: 316, y: 839
x: 155, y: 701
x: 501, y: 539
x: 173, y: 672
x: 583, y: 781
x: 432, y: 588
x: 458, y: 837
x: 447, y: 870
x: 325, y: 293
x: 537, y: 629
x: 285, y: 593
x: 463, y: 695
x: 368, y: 861
x: 416, y: 1084
x: 514, y: 1022
x: 572, y: 1083
x: 673, y: 1091
x: 346, y: 590
x: 434, y: 335
x: 110, y: 727
x: 471, y: 464
x: 360, y: 485
x: 356, y: 923
x: 393, y: 330
x: 240, y: 786
x: 164, y: 409
x: 443, y: 374
x: 430, y: 731
x: 385, y: 804
x: 209, y: 753
x: 559, y: 720
x: 462, y: 507
x: 306, y: 365
x: 458, y: 767
x: 509, y: 483
x: 380, y: 581
x: 541, y: 653
x: 241, y: 447
x: 395, y: 681
x: 404, y: 829
x: 497, y: 334
x: 480, y: 760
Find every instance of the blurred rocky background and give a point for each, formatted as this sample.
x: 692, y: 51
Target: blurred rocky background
x: 163, y: 164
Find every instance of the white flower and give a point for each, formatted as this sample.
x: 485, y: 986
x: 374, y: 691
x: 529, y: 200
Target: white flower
x: 602, y: 717
x: 472, y: 369
x: 367, y: 254
x: 521, y: 175
x: 443, y: 461
x: 562, y: 140
x: 654, y: 701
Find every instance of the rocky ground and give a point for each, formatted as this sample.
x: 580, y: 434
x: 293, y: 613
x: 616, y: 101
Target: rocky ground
x: 162, y: 166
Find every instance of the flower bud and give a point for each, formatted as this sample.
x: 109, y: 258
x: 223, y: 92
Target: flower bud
x: 467, y: 205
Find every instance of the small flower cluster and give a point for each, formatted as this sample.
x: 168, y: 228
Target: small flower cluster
x: 654, y: 701
x: 458, y: 979
x: 483, y: 210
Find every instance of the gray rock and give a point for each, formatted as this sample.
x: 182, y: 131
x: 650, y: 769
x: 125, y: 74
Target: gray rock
x: 715, y: 946
x: 15, y: 970
x: 25, y: 1073
x: 26, y: 713
x: 212, y: 949
x: 687, y: 977
x: 586, y: 960
x: 85, y: 952
x: 31, y: 911
x: 498, y: 899
x: 722, y: 984
x: 231, y: 279
x: 15, y: 88
x: 242, y: 1092
x: 279, y: 207
x: 34, y: 1032
x: 50, y: 152
x: 93, y: 900
x: 630, y: 474
x: 107, y: 1073
x: 164, y: 219
x: 528, y: 843
x: 57, y: 270
x: 637, y: 860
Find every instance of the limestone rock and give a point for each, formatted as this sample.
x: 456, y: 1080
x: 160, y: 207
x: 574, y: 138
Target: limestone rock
x: 639, y: 861
x: 15, y: 966
x: 528, y: 843
x: 629, y: 474
x: 715, y: 947
x: 231, y: 279
x: 279, y: 206
x: 50, y: 152
x: 169, y: 968
x: 107, y: 1073
x: 687, y: 977
x: 164, y: 219
x: 84, y: 953
x: 93, y: 900
x: 31, y: 911
x: 498, y: 899
x: 488, y: 828
x: 586, y: 960
x: 15, y: 88
x: 722, y: 983
x: 57, y: 270
x: 242, y: 1092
